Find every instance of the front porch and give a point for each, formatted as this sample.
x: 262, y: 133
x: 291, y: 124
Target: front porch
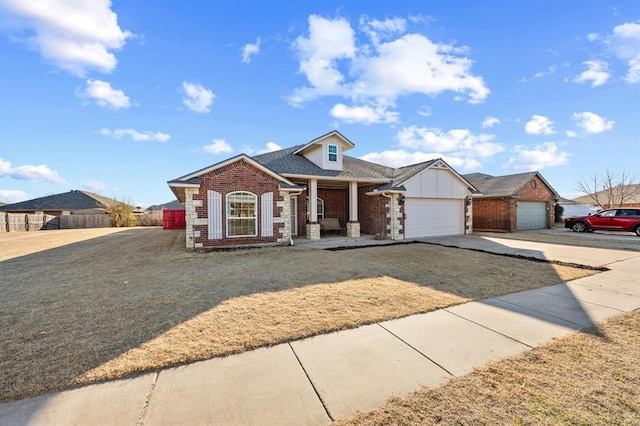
x: 339, y: 242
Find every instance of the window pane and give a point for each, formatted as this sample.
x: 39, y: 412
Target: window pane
x: 241, y: 214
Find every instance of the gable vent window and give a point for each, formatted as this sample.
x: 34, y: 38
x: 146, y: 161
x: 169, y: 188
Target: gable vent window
x: 333, y: 153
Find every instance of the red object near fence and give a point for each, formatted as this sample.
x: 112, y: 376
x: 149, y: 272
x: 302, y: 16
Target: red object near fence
x: 174, y: 219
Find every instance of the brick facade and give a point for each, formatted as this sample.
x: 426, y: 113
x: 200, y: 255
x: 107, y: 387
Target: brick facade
x: 372, y: 212
x: 500, y: 214
x: 237, y: 176
x: 336, y: 204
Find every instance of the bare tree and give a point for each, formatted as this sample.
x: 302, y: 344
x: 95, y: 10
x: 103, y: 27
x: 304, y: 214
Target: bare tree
x: 611, y: 190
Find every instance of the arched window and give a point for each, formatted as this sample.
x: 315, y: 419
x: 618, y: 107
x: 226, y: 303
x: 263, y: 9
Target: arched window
x: 242, y: 214
x: 319, y: 208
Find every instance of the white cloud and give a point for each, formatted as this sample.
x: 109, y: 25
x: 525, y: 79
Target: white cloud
x: 374, y: 76
x: 489, y: 122
x: 41, y: 173
x: 198, y: 98
x: 425, y: 111
x: 571, y: 134
x: 378, y: 30
x: 269, y: 147
x: 96, y: 186
x: 592, y: 123
x: 249, y: 50
x: 592, y: 36
x: 538, y: 158
x: 364, y: 114
x: 625, y: 44
x: 217, y: 146
x: 597, y: 73
x: 76, y: 36
x: 539, y: 125
x: 136, y: 135
x: 328, y: 42
x: 459, y: 147
x: 104, y: 95
x: 11, y: 196
x: 401, y: 158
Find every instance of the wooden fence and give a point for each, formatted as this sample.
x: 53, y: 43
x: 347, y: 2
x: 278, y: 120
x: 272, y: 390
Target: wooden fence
x: 21, y: 222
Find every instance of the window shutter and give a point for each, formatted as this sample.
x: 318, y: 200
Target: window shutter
x: 214, y: 219
x: 267, y: 214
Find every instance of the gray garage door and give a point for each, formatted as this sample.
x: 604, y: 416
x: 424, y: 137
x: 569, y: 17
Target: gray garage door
x: 531, y: 215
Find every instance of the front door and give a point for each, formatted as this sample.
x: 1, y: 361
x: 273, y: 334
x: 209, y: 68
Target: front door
x: 294, y: 215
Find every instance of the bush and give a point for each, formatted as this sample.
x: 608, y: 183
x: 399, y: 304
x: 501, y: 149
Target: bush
x: 121, y: 215
x: 559, y: 211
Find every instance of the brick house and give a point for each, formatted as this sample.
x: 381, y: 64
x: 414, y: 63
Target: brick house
x: 510, y: 203
x: 273, y: 197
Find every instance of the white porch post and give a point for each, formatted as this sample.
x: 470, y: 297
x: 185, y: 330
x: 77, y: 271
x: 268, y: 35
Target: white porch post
x: 313, y: 227
x: 353, y: 227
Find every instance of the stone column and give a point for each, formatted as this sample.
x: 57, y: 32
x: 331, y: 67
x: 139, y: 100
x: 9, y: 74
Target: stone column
x: 313, y: 227
x: 353, y: 226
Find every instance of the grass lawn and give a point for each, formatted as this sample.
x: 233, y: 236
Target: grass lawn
x: 588, y: 378
x: 135, y: 300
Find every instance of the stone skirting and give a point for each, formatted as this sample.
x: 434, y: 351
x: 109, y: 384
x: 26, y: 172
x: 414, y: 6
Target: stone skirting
x: 353, y: 229
x: 313, y: 231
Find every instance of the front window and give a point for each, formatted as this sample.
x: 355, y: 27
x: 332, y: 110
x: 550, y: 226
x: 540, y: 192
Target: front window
x: 319, y: 208
x: 241, y: 214
x: 608, y: 213
x: 333, y: 153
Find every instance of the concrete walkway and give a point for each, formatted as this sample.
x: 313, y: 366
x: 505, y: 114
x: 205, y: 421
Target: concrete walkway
x: 316, y: 380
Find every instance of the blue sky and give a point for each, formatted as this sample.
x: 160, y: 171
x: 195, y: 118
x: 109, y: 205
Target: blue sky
x: 120, y: 97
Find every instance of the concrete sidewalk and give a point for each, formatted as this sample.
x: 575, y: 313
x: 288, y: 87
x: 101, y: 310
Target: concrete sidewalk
x: 316, y: 380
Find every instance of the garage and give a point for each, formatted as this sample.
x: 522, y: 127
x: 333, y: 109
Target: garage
x: 531, y: 215
x: 428, y: 217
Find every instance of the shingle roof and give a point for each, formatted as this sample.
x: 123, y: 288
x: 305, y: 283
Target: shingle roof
x: 502, y: 186
x: 72, y: 200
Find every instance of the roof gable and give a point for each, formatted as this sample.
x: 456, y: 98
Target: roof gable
x: 346, y: 143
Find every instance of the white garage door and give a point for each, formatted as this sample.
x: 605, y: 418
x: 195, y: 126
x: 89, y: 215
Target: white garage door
x: 428, y: 217
x: 531, y: 215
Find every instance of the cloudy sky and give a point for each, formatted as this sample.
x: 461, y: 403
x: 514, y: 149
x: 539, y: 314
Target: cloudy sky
x: 119, y: 97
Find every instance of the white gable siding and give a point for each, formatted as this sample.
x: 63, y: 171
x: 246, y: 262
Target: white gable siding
x: 435, y: 183
x: 319, y: 154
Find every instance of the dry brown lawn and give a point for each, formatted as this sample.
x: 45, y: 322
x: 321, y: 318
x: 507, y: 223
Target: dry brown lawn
x: 588, y: 378
x: 135, y: 300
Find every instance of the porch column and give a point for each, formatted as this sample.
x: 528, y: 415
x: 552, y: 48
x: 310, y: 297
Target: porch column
x: 313, y: 227
x: 353, y: 227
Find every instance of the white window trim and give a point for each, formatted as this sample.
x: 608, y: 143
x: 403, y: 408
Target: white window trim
x: 229, y: 217
x: 329, y: 153
x: 320, y: 202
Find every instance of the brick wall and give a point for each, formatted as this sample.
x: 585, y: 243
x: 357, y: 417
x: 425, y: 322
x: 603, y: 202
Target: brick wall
x: 499, y: 214
x: 336, y: 204
x: 372, y: 212
x: 237, y: 176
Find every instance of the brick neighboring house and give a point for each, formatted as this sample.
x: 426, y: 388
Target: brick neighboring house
x: 510, y: 203
x: 273, y: 197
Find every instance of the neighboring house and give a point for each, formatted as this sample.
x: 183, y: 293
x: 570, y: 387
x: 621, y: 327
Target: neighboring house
x: 74, y: 201
x: 512, y: 203
x: 171, y: 205
x: 270, y: 198
x: 622, y: 196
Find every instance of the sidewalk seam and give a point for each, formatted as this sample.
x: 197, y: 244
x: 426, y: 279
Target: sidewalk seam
x: 324, y: 405
x: 488, y: 328
x: 415, y: 349
x: 147, y: 401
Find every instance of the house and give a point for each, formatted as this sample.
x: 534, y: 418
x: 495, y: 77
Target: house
x: 71, y: 202
x: 513, y: 202
x: 171, y: 205
x: 618, y: 196
x: 272, y: 197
